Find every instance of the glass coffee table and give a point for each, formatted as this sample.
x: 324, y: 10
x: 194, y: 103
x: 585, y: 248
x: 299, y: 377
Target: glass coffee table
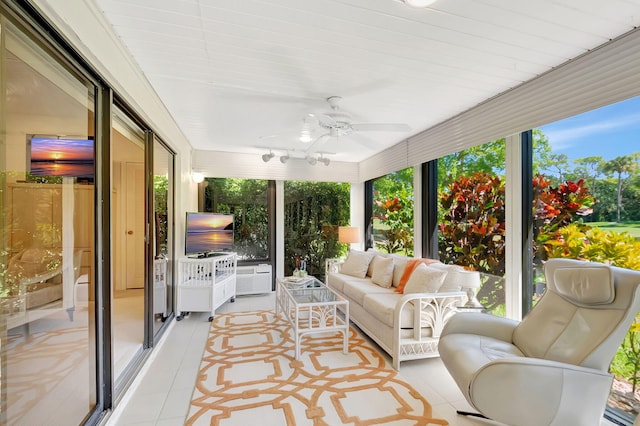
x: 312, y: 307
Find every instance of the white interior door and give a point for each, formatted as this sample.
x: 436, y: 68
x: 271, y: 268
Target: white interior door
x: 134, y: 229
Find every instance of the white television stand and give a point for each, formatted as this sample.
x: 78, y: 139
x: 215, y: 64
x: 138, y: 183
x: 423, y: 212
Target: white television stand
x: 205, y: 283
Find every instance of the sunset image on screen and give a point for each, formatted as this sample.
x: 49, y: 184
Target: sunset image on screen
x: 208, y: 232
x: 208, y: 222
x: 62, y: 157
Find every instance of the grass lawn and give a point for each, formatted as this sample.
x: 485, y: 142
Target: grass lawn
x: 631, y: 227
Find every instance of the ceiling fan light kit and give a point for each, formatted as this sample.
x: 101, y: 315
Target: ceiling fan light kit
x: 419, y: 3
x: 305, y: 137
x: 333, y: 124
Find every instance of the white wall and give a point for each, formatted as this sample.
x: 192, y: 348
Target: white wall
x: 84, y: 27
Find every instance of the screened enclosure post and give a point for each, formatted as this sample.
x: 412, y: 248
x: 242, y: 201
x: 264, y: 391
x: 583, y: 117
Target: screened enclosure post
x: 430, y: 209
x: 527, y: 221
x: 368, y: 214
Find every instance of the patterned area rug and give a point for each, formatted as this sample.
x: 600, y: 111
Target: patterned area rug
x: 249, y: 375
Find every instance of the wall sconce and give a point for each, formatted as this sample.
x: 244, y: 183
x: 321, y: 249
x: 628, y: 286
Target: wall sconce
x: 197, y: 177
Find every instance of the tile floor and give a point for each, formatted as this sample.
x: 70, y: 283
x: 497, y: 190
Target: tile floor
x: 161, y: 393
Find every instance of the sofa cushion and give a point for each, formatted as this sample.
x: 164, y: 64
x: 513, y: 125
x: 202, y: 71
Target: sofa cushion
x: 335, y: 280
x: 357, y: 288
x: 452, y: 280
x: 425, y: 279
x: 382, y: 271
x: 356, y: 264
x: 382, y: 307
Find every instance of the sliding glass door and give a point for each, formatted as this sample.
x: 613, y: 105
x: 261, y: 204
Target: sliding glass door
x: 47, y: 219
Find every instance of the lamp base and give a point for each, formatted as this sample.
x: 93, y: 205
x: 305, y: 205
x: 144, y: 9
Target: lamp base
x: 472, y: 301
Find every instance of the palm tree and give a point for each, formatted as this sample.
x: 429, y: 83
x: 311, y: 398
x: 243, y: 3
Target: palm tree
x: 619, y: 165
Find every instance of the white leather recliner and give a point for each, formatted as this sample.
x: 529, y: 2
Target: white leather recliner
x: 551, y: 368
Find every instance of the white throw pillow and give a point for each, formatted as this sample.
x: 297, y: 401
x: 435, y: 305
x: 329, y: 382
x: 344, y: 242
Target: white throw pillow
x: 374, y: 256
x: 425, y: 279
x: 399, y: 263
x: 452, y: 280
x: 356, y: 264
x: 382, y: 271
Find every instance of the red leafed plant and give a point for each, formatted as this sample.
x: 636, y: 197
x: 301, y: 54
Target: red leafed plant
x: 556, y: 207
x: 472, y: 230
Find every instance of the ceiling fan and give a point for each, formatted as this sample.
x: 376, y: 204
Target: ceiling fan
x: 338, y: 123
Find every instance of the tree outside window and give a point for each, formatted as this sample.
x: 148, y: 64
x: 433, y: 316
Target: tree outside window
x: 393, y: 212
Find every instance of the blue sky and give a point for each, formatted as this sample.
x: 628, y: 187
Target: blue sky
x: 609, y: 132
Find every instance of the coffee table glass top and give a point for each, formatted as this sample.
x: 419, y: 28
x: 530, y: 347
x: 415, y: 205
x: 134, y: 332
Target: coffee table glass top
x: 318, y: 294
x: 309, y: 290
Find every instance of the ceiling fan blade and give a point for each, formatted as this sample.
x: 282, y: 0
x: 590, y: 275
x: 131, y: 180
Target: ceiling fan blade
x: 325, y: 120
x: 318, y: 142
x: 381, y: 127
x: 362, y: 140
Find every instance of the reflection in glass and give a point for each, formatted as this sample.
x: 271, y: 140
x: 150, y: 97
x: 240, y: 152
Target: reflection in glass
x: 128, y: 240
x: 47, y: 286
x: 163, y: 235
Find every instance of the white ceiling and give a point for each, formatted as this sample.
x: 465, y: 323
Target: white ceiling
x: 241, y: 75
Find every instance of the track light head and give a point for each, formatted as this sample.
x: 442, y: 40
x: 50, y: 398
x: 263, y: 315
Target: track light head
x: 267, y: 157
x: 326, y: 161
x: 311, y: 160
x: 284, y: 159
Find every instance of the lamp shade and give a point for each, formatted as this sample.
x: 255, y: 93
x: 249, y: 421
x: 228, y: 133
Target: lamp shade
x: 348, y: 234
x: 469, y: 279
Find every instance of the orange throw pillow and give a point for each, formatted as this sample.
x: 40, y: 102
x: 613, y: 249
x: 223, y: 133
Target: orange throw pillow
x: 412, y: 264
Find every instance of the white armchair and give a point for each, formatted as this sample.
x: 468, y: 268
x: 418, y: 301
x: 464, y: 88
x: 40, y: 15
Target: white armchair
x: 551, y: 368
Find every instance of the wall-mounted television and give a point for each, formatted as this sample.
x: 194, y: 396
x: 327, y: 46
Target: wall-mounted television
x: 208, y: 233
x: 61, y: 156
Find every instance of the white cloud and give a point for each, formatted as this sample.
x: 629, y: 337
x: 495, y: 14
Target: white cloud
x: 566, y: 134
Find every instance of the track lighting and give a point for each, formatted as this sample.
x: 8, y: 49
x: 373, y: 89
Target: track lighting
x: 311, y: 160
x: 324, y: 160
x: 267, y: 157
x: 284, y: 158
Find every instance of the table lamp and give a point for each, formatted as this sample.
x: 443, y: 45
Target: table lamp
x: 470, y: 283
x: 348, y: 234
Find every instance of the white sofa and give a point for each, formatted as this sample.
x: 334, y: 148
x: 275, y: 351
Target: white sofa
x: 388, y: 316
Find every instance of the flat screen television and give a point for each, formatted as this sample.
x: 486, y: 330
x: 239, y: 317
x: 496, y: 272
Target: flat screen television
x: 208, y: 233
x: 59, y: 156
